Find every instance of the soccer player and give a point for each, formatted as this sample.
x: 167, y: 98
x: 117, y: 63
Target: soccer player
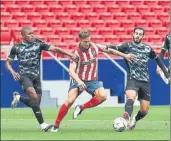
x: 138, y: 76
x: 28, y: 53
x: 84, y: 76
x: 165, y: 47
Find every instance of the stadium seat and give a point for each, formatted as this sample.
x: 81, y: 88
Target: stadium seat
x: 93, y: 2
x: 120, y: 16
x: 148, y: 16
x: 70, y: 8
x: 108, y: 3
x: 113, y: 8
x: 12, y: 8
x: 5, y: 16
x: 91, y: 16
x: 163, y: 16
x: 157, y: 9
x: 113, y: 39
x: 155, y: 24
x: 112, y: 23
x: 68, y: 39
x: 5, y: 36
x: 48, y: 16
x: 62, y: 16
x: 99, y: 9
x: 127, y: 24
x: 3, y: 54
x: 151, y: 3
x: 39, y: 23
x: 54, y: 24
x: 105, y: 16
x: 93, y: 31
x: 18, y: 15
x: 79, y: 3
x: 97, y: 38
x: 10, y: 23
x: 22, y: 2
x: 143, y: 9
x: 33, y: 16
x: 3, y: 8
x: 128, y: 9
x: 65, y: 2
x: 36, y: 2
x: 23, y: 23
x: 62, y: 31
x: 75, y: 31
x: 162, y: 31
x: 27, y: 8
x: 105, y: 31
x: 167, y: 9
x: 119, y: 31
x: 8, y: 2
x: 122, y: 2
x: 145, y: 39
x: 125, y: 38
x: 55, y: 8
x: 155, y: 39
x: 134, y: 16
x: 42, y: 37
x: 69, y: 23
x: 83, y: 24
x: 85, y: 9
x: 51, y: 3
x: 166, y: 23
x: 77, y: 16
x: 53, y: 39
x: 164, y: 3
x: 137, y: 3
x: 41, y: 8
x: 47, y: 31
x: 142, y: 23
x: 97, y: 23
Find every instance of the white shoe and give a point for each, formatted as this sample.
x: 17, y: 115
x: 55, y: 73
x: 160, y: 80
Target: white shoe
x: 45, y: 127
x: 133, y: 123
x: 54, y: 129
x: 15, y: 100
x: 77, y: 111
x: 127, y: 119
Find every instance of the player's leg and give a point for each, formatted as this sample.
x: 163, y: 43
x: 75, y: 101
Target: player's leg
x: 72, y: 95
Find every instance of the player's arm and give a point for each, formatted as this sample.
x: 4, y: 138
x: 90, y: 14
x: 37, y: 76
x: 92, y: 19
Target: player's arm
x: 8, y: 64
x: 110, y: 49
x: 74, y: 75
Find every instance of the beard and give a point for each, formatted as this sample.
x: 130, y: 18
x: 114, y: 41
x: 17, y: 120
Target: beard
x: 137, y: 42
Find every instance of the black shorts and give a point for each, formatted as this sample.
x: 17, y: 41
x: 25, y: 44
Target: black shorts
x: 142, y: 88
x: 26, y: 81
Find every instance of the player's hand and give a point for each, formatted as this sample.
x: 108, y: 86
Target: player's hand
x: 74, y: 57
x: 16, y: 75
x: 129, y: 57
x: 82, y: 86
x: 158, y: 70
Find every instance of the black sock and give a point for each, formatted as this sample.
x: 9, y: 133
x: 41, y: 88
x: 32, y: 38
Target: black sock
x: 37, y: 113
x: 129, y: 106
x: 26, y: 101
x: 140, y: 115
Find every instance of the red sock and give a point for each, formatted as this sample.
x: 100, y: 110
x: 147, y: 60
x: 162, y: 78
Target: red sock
x: 92, y: 103
x: 63, y: 111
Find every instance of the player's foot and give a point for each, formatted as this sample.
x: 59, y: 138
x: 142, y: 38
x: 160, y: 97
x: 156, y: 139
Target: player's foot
x: 54, y: 128
x: 15, y: 100
x: 133, y: 123
x: 77, y: 111
x: 127, y: 118
x: 45, y: 127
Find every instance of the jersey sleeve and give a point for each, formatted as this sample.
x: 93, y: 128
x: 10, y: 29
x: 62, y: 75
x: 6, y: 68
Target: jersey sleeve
x: 166, y: 43
x: 13, y: 53
x: 152, y: 55
x: 44, y: 46
x: 120, y: 47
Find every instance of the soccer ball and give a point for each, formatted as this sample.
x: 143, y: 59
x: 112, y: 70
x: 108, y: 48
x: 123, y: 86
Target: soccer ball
x: 120, y: 124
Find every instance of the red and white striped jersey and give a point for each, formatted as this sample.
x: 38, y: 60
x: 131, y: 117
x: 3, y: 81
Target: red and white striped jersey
x: 87, y: 64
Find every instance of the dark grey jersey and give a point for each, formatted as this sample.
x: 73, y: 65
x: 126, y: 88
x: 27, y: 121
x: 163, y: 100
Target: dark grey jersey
x: 29, y: 56
x: 138, y: 69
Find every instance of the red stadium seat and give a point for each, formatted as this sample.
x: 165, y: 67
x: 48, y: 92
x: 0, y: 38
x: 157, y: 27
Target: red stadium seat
x: 5, y: 36
x: 166, y: 23
x: 93, y: 31
x: 65, y: 2
x: 97, y: 38
x: 136, y: 3
x: 98, y: 23
x: 91, y: 16
x: 105, y: 16
x: 19, y: 15
x: 22, y: 2
x: 55, y: 24
x: 157, y: 9
x: 127, y: 24
x: 112, y: 23
x: 119, y: 31
x: 12, y: 8
x: 145, y: 39
x: 5, y: 16
x: 120, y: 16
x: 149, y: 16
x: 69, y: 23
x: 142, y: 9
x: 8, y: 2
x: 125, y: 38
x: 68, y: 39
x: 23, y: 23
x: 77, y: 16
x: 37, y: 2
x: 40, y: 23
x: 113, y: 39
x: 155, y: 24
x: 41, y: 8
x: 93, y: 2
x: 150, y: 3
x: 33, y: 16
x: 27, y: 8
x: 51, y: 3
x: 62, y: 31
x: 83, y: 23
x: 99, y: 9
x: 163, y: 16
x: 79, y: 3
x: 75, y: 31
x: 48, y: 16
x: 42, y: 37
x: 134, y: 16
x: 53, y: 39
x: 122, y: 2
x: 162, y: 31
x: 155, y: 39
x: 3, y: 8
x: 105, y: 31
x: 108, y: 3
x: 62, y: 16
x: 47, y: 31
x: 70, y: 8
x: 167, y: 9
x: 3, y: 54
x: 113, y: 9
x: 128, y: 9
x: 141, y: 23
x: 10, y: 23
x: 150, y: 31
x: 164, y: 3
x: 85, y: 9
x: 56, y: 8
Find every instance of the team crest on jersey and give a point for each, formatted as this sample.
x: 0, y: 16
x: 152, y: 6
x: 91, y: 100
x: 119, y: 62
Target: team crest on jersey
x: 93, y: 52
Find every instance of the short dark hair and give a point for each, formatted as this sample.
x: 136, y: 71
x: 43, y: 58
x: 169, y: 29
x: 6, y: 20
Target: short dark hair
x: 140, y: 29
x: 84, y: 33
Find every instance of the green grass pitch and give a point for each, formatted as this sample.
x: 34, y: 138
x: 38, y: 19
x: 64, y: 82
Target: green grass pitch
x: 92, y: 124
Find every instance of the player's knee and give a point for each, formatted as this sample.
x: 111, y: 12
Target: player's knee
x: 103, y: 97
x: 145, y: 109
x: 69, y: 102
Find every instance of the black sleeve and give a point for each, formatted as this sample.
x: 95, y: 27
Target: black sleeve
x: 152, y: 55
x: 121, y: 47
x: 165, y: 47
x: 13, y: 53
x: 44, y: 46
x: 162, y: 66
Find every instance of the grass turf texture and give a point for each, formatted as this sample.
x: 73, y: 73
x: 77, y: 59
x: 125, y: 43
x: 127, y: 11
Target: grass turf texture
x: 92, y: 124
